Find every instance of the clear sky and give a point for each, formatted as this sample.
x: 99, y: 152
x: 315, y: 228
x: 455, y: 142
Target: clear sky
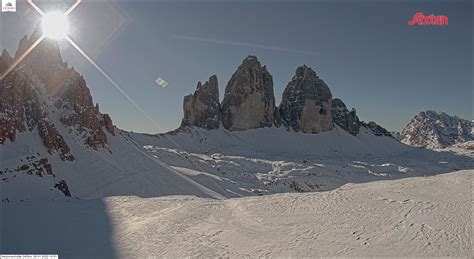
x: 364, y: 50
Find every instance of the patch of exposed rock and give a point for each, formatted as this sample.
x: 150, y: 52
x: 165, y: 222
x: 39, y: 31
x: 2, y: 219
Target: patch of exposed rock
x: 63, y: 187
x: 377, y: 129
x: 249, y: 101
x: 202, y: 109
x: 307, y: 103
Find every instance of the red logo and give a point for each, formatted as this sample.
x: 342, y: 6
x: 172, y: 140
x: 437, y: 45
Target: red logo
x: 421, y: 19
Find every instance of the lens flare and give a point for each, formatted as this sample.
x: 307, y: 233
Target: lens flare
x: 55, y: 25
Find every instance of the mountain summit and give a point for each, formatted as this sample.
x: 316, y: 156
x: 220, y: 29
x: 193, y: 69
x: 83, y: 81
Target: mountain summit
x: 41, y: 88
x: 431, y: 129
x: 249, y: 101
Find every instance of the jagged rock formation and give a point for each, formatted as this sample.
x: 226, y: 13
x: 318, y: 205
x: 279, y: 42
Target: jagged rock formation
x: 249, y: 101
x: 430, y: 129
x: 306, y: 103
x: 344, y: 118
x: 202, y: 109
x: 42, y: 84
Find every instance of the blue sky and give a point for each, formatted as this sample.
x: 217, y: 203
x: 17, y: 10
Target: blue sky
x: 364, y: 50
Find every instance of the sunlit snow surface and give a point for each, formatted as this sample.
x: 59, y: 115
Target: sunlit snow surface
x: 418, y: 216
x: 218, y: 163
x: 165, y: 195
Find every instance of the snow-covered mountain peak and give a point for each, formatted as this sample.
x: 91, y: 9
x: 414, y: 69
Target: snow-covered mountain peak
x: 435, y: 130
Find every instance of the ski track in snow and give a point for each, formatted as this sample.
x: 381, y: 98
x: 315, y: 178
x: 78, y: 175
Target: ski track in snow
x: 419, y: 216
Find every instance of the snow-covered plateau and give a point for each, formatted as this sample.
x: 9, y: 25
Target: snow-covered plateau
x: 419, y: 216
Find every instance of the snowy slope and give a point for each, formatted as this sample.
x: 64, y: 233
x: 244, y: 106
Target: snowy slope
x: 122, y: 169
x: 272, y: 160
x: 276, y: 142
x: 413, y: 217
x: 215, y: 163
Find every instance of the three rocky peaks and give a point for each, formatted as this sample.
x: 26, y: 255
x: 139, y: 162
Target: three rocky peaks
x: 249, y: 102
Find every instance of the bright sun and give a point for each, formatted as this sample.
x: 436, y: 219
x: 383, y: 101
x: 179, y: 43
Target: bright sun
x: 55, y: 25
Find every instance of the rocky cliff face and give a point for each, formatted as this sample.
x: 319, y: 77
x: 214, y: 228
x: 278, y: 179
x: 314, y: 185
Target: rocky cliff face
x: 344, y: 118
x: 306, y: 103
x: 435, y: 130
x: 202, y: 109
x: 249, y: 101
x: 43, y: 91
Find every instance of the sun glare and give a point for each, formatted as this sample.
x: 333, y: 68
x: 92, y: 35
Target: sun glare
x: 55, y: 25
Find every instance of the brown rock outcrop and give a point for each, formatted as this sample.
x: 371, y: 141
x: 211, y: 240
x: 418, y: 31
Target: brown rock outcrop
x: 202, y: 109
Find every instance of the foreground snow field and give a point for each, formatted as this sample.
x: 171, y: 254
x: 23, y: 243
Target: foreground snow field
x: 418, y: 216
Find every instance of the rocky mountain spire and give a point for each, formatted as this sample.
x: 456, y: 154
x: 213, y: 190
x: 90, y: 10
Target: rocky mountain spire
x: 306, y: 103
x: 45, y: 61
x: 202, y: 109
x: 43, y: 84
x: 249, y: 101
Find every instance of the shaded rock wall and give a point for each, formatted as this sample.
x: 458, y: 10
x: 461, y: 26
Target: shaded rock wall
x: 202, y: 109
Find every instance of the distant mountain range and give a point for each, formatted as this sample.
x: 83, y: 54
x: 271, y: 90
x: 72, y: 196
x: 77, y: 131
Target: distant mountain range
x: 55, y: 141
